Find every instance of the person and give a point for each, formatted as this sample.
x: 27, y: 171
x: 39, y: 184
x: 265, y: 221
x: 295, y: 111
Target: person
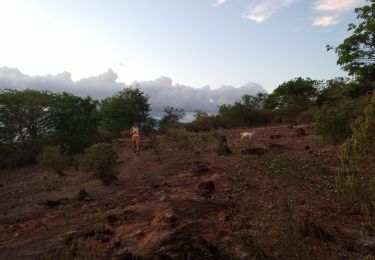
x: 134, y: 131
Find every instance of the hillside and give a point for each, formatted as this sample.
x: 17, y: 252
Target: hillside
x: 279, y: 203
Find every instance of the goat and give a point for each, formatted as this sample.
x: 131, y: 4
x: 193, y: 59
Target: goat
x: 247, y: 135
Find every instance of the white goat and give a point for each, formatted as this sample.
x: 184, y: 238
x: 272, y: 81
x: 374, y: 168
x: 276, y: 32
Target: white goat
x: 247, y: 135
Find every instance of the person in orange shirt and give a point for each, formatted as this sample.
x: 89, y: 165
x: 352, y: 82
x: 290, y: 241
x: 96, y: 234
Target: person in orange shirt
x: 136, y: 138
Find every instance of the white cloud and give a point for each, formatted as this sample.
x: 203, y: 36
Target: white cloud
x: 219, y: 2
x: 263, y: 9
x: 336, y: 6
x: 325, y: 21
x: 162, y: 91
x: 330, y: 10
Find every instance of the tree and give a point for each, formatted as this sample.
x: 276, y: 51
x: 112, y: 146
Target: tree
x: 76, y: 121
x: 255, y: 102
x: 200, y: 114
x: 26, y: 121
x: 171, y: 118
x: 123, y: 109
x: 356, y: 54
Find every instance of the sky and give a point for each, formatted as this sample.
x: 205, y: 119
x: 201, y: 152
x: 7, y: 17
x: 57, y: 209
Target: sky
x: 195, y: 43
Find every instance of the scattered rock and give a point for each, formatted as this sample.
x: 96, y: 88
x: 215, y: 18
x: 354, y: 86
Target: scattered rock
x: 311, y: 228
x: 17, y: 234
x: 206, y: 188
x: 83, y: 195
x: 276, y: 147
x: 300, y: 131
x: 201, y: 168
x: 255, y: 151
x: 128, y: 256
x: 166, y: 216
x: 71, y: 235
x: 275, y: 136
x: 163, y: 198
x: 116, y: 244
x: 184, y: 246
x: 112, y: 218
x: 56, y: 203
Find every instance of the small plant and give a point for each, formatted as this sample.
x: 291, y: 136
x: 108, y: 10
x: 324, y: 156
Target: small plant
x: 100, y: 158
x: 53, y: 157
x: 316, y: 164
x: 284, y: 167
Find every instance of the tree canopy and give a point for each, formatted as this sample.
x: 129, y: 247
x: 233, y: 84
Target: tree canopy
x: 356, y: 54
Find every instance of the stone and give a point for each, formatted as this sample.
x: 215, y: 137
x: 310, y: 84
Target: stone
x: 300, y: 131
x: 275, y: 136
x: 83, y: 195
x: 112, y: 218
x: 128, y: 256
x: 254, y: 151
x: 206, y: 188
x: 276, y: 147
x: 201, y: 168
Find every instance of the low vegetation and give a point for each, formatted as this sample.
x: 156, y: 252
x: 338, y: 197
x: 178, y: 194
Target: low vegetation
x: 100, y: 159
x: 54, y: 158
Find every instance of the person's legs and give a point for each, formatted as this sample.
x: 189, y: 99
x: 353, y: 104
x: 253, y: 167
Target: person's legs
x: 137, y: 145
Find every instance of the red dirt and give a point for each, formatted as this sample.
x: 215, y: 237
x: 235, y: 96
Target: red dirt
x: 154, y: 206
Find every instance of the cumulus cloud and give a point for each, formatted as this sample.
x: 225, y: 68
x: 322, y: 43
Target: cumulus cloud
x: 336, y: 6
x: 325, y: 21
x: 263, y: 9
x: 330, y: 11
x: 219, y: 2
x: 162, y: 91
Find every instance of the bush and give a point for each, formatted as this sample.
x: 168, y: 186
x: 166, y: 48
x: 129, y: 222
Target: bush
x: 354, y: 153
x: 100, y: 158
x: 201, y: 124
x: 333, y: 121
x: 53, y: 157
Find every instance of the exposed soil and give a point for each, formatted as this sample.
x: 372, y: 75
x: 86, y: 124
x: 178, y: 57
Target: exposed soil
x: 175, y: 202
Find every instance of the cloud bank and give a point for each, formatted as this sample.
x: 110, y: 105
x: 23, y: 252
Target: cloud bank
x: 162, y: 91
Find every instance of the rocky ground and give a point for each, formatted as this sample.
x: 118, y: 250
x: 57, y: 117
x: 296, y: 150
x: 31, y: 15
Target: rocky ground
x: 178, y: 199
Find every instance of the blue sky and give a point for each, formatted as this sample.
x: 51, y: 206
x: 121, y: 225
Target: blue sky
x: 194, y: 42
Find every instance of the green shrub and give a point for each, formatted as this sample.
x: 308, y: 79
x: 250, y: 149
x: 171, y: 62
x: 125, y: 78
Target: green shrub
x: 333, y: 121
x: 100, y: 158
x: 53, y: 157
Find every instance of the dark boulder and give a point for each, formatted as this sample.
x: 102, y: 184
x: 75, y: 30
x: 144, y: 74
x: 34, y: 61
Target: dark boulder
x: 254, y: 151
x: 300, y: 131
x: 206, y: 188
